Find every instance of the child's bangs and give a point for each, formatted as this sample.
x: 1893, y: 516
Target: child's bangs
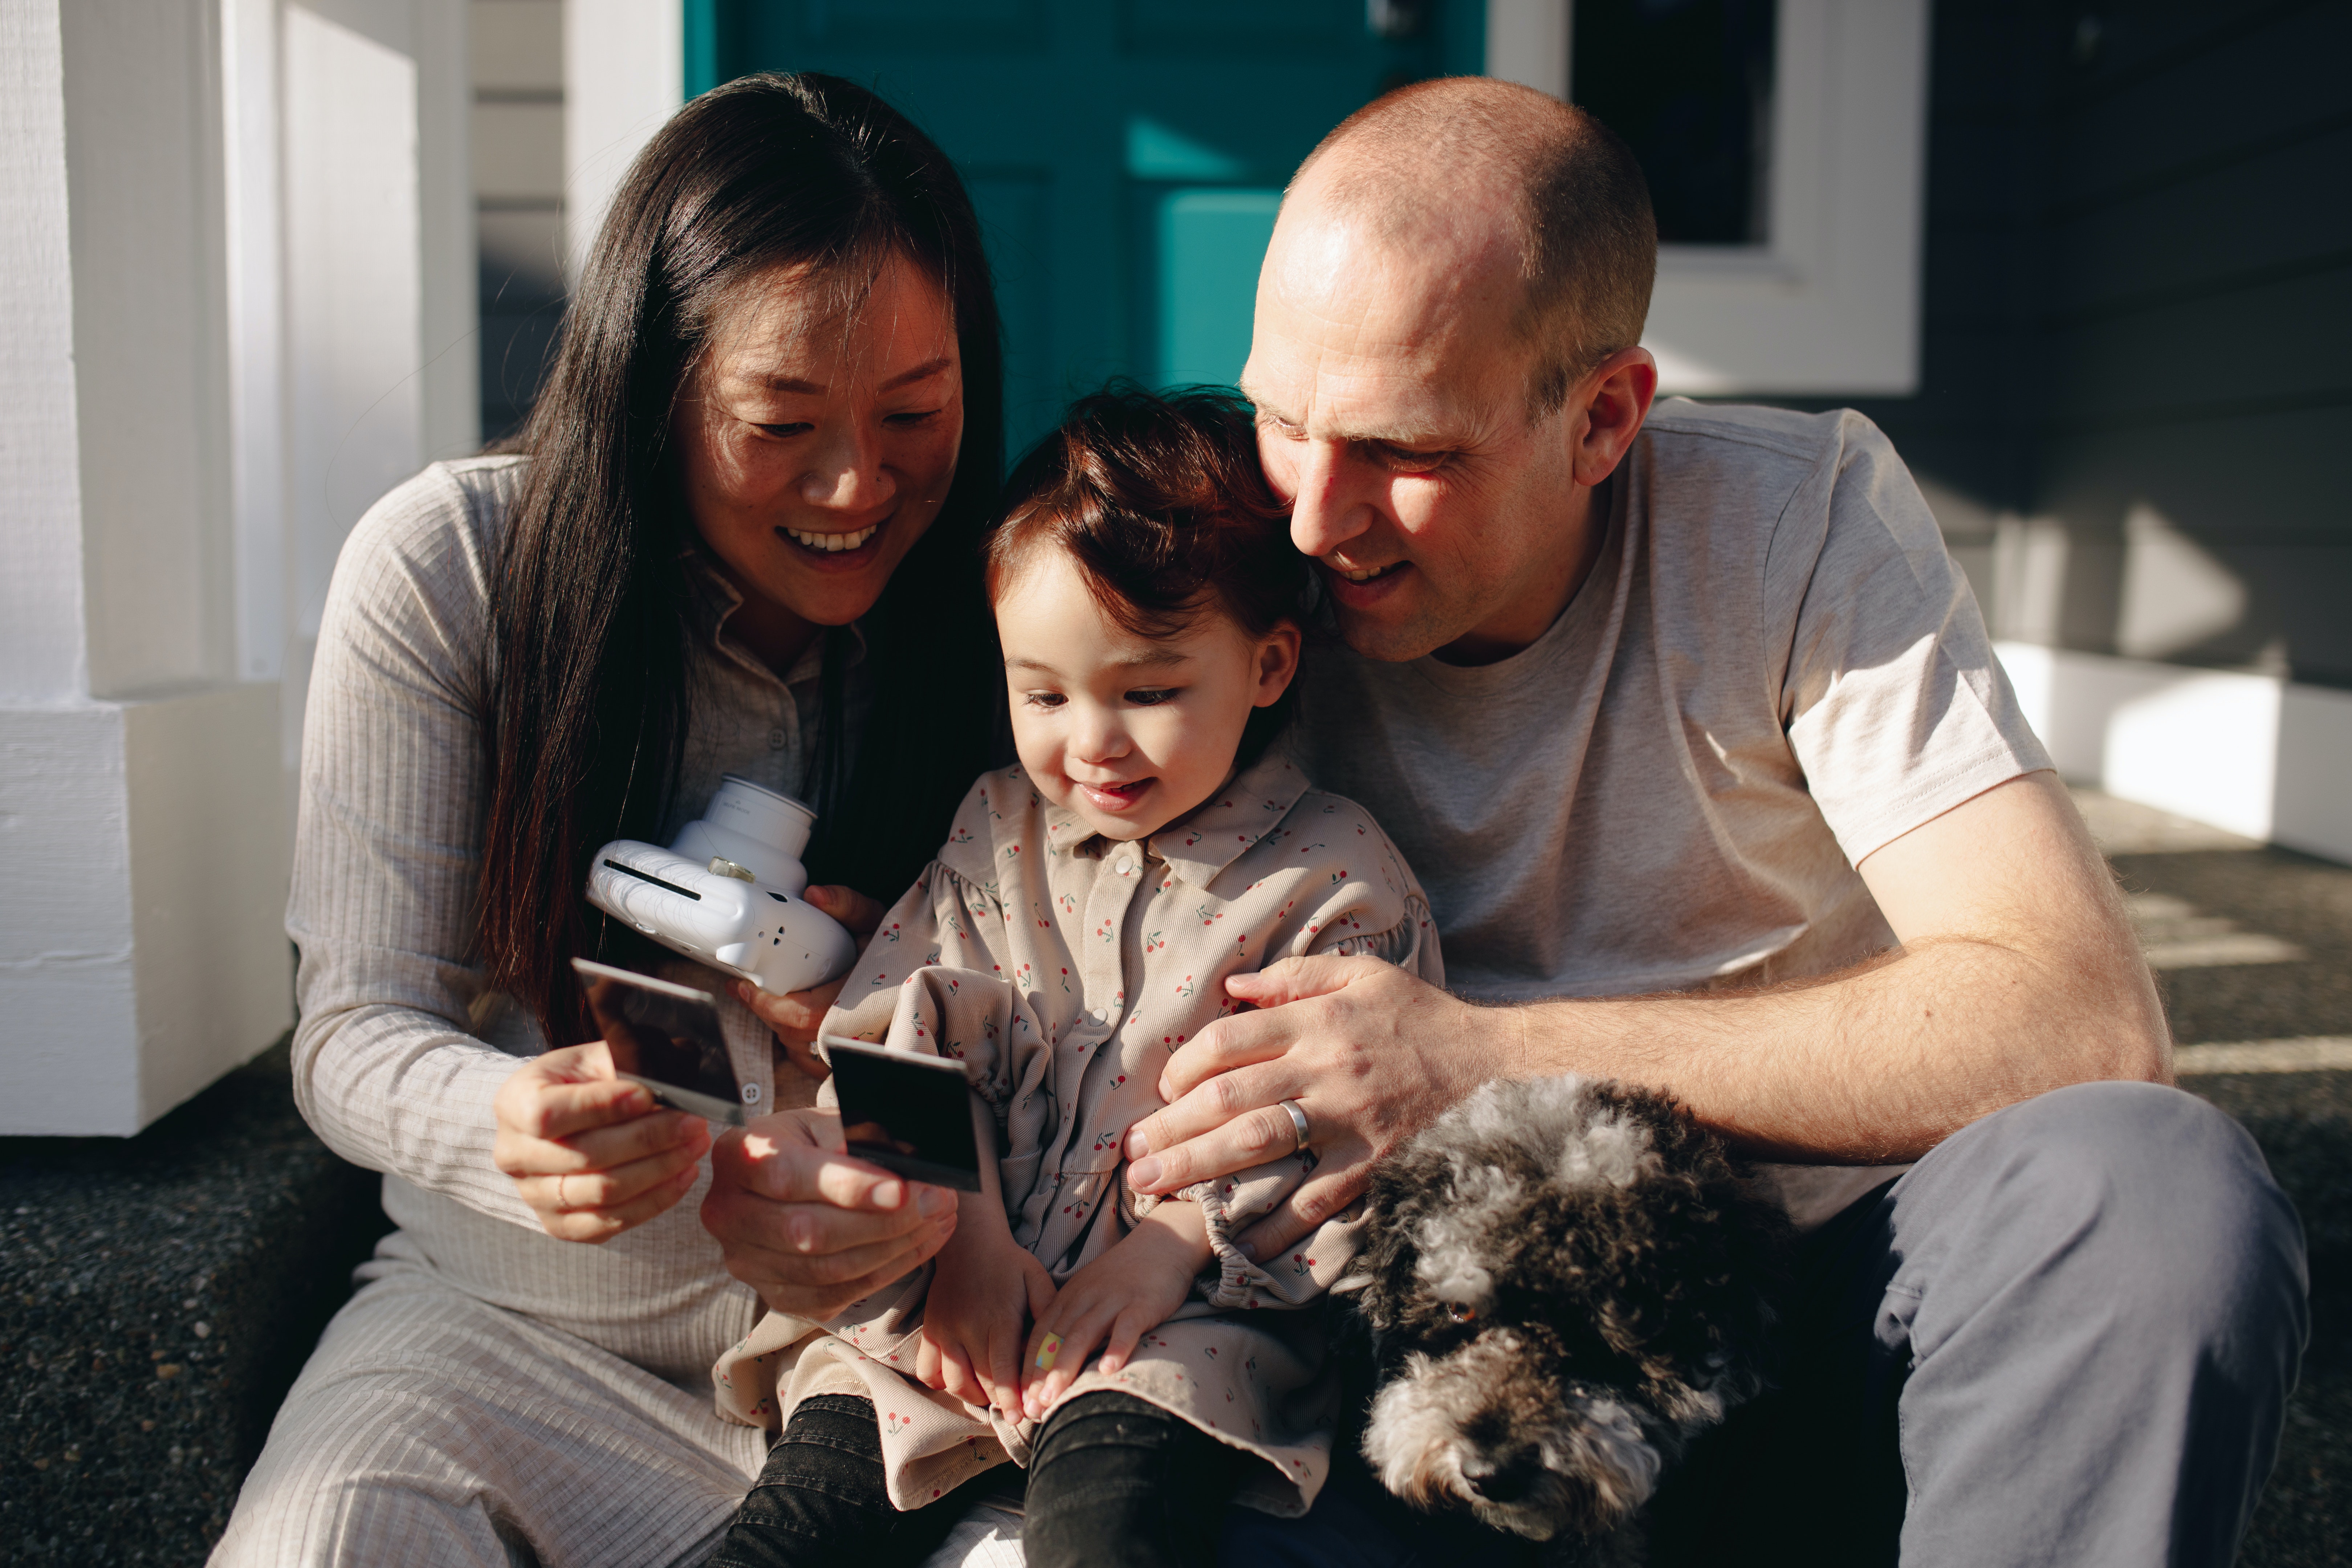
x: 1159, y: 501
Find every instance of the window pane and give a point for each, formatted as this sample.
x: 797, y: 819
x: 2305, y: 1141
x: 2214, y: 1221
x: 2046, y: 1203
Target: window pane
x: 1688, y: 83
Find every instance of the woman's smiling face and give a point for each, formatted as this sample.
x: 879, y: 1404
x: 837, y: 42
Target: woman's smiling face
x: 816, y: 451
x: 1129, y: 731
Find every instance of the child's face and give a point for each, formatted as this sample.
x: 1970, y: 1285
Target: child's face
x: 1130, y: 732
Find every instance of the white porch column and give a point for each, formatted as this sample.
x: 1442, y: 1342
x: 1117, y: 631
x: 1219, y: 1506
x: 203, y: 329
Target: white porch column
x: 142, y: 843
x: 156, y: 531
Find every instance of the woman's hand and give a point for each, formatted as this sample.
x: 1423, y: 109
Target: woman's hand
x: 589, y: 1150
x: 810, y: 1228
x: 985, y: 1293
x: 795, y: 1014
x: 1114, y: 1302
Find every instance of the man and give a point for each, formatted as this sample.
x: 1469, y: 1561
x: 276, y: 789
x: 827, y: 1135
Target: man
x: 1693, y: 732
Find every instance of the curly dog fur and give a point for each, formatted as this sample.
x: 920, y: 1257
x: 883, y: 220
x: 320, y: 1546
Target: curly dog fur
x: 1565, y: 1282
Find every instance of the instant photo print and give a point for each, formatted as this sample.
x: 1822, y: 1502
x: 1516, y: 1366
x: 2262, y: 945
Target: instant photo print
x: 668, y: 1038
x: 910, y: 1114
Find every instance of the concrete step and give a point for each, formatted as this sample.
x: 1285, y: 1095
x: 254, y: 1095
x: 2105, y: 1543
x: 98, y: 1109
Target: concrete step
x: 157, y: 1296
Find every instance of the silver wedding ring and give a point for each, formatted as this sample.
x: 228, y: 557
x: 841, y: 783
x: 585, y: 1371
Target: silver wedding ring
x: 1297, y: 1121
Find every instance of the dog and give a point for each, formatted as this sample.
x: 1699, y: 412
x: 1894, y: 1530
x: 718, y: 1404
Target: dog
x: 1564, y: 1281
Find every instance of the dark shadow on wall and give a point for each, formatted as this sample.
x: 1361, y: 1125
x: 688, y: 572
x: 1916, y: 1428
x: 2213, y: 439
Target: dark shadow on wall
x: 522, y: 301
x: 2136, y: 327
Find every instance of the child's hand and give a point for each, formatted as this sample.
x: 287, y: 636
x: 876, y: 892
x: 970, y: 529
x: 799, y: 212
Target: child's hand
x: 983, y: 1294
x: 1119, y: 1297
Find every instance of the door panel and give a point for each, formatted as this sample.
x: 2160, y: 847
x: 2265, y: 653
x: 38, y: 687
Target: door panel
x: 1125, y: 155
x: 1209, y: 243
x: 1016, y: 208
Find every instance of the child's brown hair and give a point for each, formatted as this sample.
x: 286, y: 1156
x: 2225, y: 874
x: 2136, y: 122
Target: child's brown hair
x: 1160, y: 499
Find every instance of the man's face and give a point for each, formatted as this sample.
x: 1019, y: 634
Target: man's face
x: 1391, y: 393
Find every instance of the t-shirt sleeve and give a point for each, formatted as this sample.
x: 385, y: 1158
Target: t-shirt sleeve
x: 1894, y: 704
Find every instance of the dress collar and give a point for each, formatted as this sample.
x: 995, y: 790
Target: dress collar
x: 1199, y: 845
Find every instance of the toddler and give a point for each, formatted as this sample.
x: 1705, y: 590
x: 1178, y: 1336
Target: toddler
x: 1079, y: 926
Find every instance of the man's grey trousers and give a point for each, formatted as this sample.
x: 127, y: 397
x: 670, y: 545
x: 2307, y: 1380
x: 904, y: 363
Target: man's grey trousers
x: 2066, y: 1336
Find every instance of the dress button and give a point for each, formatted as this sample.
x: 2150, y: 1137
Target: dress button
x: 776, y: 739
x: 1124, y: 866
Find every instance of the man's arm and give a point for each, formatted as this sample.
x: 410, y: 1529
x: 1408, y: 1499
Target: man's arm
x: 2017, y: 975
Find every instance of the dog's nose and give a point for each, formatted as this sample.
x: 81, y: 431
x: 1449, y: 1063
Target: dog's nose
x: 1513, y: 1475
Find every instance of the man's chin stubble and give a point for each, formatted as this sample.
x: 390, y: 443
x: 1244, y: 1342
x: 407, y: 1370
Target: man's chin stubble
x: 1390, y: 643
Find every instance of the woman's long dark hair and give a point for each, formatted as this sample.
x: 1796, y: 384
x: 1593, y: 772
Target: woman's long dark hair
x: 591, y: 608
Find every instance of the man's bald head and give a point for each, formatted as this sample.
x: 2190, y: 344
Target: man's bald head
x: 1419, y: 167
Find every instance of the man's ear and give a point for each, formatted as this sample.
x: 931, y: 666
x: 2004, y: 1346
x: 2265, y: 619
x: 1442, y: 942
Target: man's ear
x: 1278, y: 664
x: 1608, y: 405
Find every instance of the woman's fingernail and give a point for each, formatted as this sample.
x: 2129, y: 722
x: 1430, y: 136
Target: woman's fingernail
x: 1143, y: 1172
x: 1137, y: 1145
x: 934, y: 1200
x: 889, y: 1194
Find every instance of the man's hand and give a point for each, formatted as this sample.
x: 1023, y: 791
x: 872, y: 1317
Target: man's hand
x: 2017, y: 974
x: 1114, y: 1302
x: 1371, y: 1054
x: 808, y: 1227
x: 795, y: 1014
x: 983, y: 1295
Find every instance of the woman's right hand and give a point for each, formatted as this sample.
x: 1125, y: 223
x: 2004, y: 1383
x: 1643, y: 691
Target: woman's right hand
x: 795, y: 1016
x: 808, y: 1226
x: 588, y: 1149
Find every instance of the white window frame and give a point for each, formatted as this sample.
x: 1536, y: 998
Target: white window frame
x: 1829, y: 305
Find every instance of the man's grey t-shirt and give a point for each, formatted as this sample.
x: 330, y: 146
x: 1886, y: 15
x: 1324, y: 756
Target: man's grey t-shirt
x: 1774, y: 669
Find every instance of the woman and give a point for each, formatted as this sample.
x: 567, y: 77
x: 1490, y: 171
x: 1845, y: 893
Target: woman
x: 740, y: 528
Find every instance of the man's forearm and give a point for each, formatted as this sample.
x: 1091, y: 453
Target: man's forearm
x: 1873, y: 1066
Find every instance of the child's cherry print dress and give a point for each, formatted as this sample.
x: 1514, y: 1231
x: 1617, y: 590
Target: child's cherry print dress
x: 1063, y: 967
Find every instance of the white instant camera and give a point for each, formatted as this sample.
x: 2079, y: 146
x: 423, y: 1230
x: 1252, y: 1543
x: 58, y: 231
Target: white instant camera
x: 728, y: 892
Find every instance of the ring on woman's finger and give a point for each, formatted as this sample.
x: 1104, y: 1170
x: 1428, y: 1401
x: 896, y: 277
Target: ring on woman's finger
x: 1298, y: 1122
x: 561, y: 1202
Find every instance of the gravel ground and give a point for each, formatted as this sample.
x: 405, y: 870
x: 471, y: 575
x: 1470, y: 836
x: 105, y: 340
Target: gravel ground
x: 2304, y: 1123
x: 157, y: 1296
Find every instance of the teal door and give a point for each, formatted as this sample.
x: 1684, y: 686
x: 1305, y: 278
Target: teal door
x: 1125, y: 155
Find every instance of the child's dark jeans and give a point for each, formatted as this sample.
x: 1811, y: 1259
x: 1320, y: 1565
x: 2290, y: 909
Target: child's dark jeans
x: 1112, y: 1481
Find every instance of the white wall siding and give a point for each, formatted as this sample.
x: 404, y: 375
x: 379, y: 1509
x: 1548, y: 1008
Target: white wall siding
x: 623, y: 75
x: 43, y: 651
